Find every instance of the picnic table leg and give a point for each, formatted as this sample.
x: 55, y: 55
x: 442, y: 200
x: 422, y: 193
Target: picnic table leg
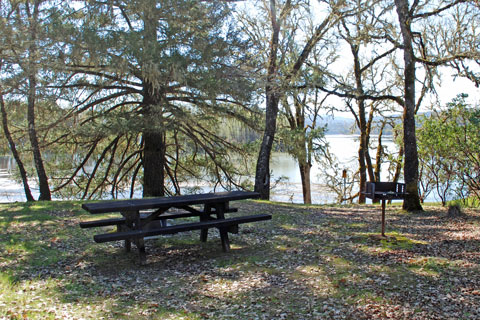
x: 207, y: 210
x: 220, y: 210
x: 383, y: 217
x: 133, y: 222
x: 127, y: 243
x: 130, y: 219
x: 140, y: 243
x: 225, y: 240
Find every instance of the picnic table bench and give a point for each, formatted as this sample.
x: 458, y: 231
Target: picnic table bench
x: 385, y: 191
x: 143, y: 218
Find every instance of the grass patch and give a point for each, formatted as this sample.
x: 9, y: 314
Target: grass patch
x: 396, y: 241
x: 393, y: 241
x: 430, y: 266
x: 471, y: 202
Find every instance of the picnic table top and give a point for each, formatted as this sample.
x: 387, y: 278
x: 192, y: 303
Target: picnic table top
x: 167, y: 202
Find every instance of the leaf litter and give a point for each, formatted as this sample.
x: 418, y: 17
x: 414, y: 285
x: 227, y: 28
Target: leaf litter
x: 307, y: 263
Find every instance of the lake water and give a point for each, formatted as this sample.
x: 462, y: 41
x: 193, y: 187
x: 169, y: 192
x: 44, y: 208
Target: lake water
x: 10, y: 191
x: 344, y: 147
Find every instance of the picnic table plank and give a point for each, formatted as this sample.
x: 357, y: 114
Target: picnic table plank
x: 216, y: 223
x: 167, y: 202
x: 121, y: 220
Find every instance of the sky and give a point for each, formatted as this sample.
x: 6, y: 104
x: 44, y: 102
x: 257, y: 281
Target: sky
x: 450, y: 87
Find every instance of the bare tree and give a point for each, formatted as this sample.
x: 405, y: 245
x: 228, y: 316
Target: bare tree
x: 279, y: 76
x: 366, y: 86
x: 407, y: 16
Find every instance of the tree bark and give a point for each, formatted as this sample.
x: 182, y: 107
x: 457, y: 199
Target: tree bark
x: 362, y: 125
x: 153, y: 164
x: 32, y: 87
x: 154, y: 144
x: 412, y: 201
x: 399, y: 162
x: 303, y: 148
x: 362, y: 153
x: 32, y: 133
x: 362, y: 150
x: 13, y: 149
x: 305, y: 169
x: 305, y: 158
x: 262, y: 172
x: 368, y: 159
x: 379, y: 154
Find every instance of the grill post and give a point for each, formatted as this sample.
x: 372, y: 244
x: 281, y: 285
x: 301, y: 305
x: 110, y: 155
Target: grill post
x: 383, y: 217
x: 385, y: 191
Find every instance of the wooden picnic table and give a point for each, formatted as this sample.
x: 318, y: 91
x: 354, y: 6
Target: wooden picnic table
x: 143, y: 218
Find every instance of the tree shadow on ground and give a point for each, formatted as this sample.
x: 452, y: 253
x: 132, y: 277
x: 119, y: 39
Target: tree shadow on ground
x: 307, y: 263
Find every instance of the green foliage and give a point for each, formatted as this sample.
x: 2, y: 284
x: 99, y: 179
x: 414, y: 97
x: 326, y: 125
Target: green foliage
x: 118, y: 70
x: 470, y: 202
x: 303, y: 142
x: 163, y: 67
x: 449, y: 150
x: 18, y: 125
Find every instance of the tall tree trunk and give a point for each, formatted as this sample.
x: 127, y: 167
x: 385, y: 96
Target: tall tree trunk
x: 305, y: 159
x: 362, y: 150
x: 379, y: 155
x: 154, y: 144
x: 32, y: 94
x: 305, y: 169
x: 303, y: 151
x: 368, y: 159
x: 32, y: 133
x: 262, y: 173
x: 412, y: 201
x: 153, y: 164
x: 362, y: 125
x: 13, y: 149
